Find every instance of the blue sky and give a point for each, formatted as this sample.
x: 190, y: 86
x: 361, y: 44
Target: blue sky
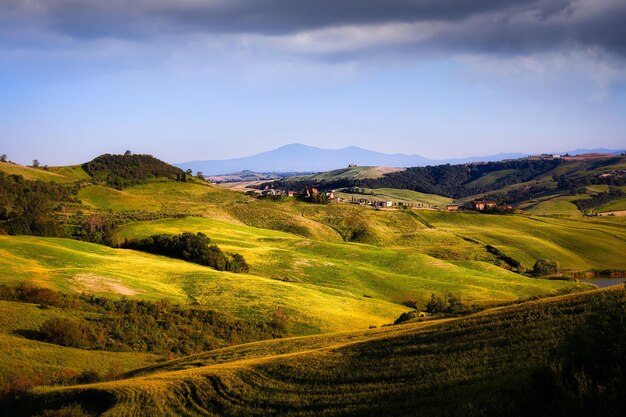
x: 212, y: 79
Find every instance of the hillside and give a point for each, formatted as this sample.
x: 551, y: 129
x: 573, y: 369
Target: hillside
x: 438, y: 368
x: 129, y: 169
x: 508, y: 181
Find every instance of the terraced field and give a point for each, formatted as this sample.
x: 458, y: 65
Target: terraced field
x: 438, y: 368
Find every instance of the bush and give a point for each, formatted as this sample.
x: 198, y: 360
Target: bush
x: 437, y: 304
x: 64, y: 332
x: 545, y: 267
x: 406, y: 316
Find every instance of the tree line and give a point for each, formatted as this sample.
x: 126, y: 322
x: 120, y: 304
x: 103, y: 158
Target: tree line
x: 453, y: 181
x: 27, y: 207
x: 190, y: 247
x: 599, y: 199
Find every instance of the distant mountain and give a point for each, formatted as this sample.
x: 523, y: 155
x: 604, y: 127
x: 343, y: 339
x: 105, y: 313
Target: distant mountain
x: 303, y: 158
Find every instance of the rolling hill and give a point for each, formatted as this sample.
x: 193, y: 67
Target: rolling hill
x: 494, y: 362
x: 325, y: 271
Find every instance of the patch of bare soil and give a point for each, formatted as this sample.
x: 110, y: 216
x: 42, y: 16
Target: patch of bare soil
x: 99, y: 283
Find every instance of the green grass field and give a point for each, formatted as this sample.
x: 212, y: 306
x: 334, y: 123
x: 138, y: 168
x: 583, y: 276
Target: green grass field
x: 359, y: 172
x: 51, y: 174
x: 559, y: 205
x: 321, y: 284
x: 490, y: 178
x: 448, y: 367
x: 406, y: 197
x: 577, y: 244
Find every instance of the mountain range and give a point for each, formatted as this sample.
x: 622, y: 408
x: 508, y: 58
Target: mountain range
x: 303, y: 158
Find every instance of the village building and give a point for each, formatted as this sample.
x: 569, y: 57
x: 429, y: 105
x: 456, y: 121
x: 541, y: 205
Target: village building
x: 452, y: 207
x: 481, y: 205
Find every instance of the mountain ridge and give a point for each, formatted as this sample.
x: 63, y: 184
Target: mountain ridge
x: 297, y: 157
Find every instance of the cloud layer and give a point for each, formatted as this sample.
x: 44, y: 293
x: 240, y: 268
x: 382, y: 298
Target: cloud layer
x: 492, y: 26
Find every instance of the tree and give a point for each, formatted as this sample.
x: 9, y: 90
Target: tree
x: 128, y: 153
x: 454, y: 302
x: 199, y: 175
x: 437, y: 304
x: 36, y: 163
x: 3, y: 157
x: 62, y: 331
x: 545, y: 267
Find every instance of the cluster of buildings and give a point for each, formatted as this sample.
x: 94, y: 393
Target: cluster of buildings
x: 307, y: 193
x: 314, y: 194
x: 370, y: 202
x: 479, y: 205
x: 614, y: 173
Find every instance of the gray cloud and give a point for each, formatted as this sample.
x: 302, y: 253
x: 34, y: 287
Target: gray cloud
x: 500, y: 26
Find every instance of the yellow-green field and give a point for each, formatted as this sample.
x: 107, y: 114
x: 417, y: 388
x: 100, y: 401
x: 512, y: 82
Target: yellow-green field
x: 447, y: 367
x: 323, y: 285
x: 52, y: 174
x: 577, y: 244
x: 406, y: 197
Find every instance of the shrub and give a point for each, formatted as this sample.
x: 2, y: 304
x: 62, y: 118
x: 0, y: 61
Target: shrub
x: 406, y: 316
x: 437, y: 304
x: 545, y: 267
x: 65, y: 332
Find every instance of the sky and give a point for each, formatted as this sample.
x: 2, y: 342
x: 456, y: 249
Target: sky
x: 215, y: 79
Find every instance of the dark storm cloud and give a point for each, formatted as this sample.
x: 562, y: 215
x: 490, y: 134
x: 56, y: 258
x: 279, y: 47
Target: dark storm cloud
x: 485, y: 25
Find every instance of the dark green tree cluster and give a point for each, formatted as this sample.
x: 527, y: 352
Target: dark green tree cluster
x: 599, y: 199
x: 545, y: 267
x: 27, y: 207
x: 450, y: 304
x: 190, y: 247
x: 125, y: 170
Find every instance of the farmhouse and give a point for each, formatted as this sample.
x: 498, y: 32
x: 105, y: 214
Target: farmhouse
x: 481, y: 205
x: 452, y: 207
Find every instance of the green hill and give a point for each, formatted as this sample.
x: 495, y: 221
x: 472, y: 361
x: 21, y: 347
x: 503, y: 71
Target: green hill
x: 128, y: 169
x: 494, y: 362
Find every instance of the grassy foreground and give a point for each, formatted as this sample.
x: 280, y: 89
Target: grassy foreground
x: 485, y: 364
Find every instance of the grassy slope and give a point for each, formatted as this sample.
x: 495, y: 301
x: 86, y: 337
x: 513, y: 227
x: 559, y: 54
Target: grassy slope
x: 360, y: 172
x: 578, y: 244
x: 20, y: 357
x: 354, y: 268
x: 77, y: 266
x: 437, y: 368
x: 328, y: 280
x: 490, y: 178
x: 403, y: 196
x: 35, y: 174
